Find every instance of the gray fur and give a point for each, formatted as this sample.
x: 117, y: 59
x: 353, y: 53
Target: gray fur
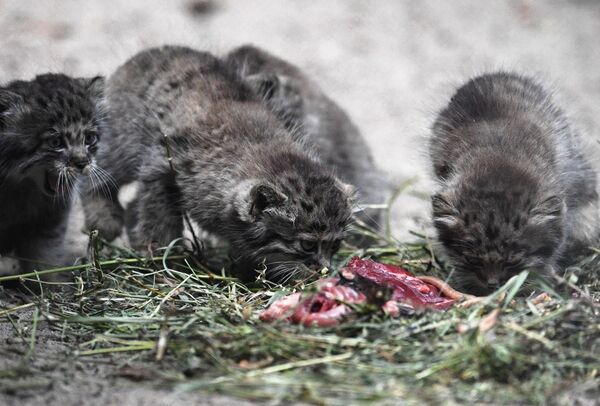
x: 316, y: 120
x: 235, y: 168
x: 516, y: 190
x: 49, y: 128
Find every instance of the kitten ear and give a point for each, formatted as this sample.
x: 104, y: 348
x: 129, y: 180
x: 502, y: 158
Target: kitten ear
x: 11, y: 104
x: 549, y: 210
x: 444, y: 212
x: 347, y: 189
x: 544, y: 231
x: 95, y: 86
x: 265, y: 198
x: 265, y: 84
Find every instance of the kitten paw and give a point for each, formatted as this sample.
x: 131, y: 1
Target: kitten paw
x: 109, y: 226
x: 105, y: 216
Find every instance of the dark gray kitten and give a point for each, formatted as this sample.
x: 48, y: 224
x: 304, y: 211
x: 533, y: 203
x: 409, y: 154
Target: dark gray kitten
x: 49, y: 129
x: 316, y: 120
x: 517, y: 191
x: 235, y: 169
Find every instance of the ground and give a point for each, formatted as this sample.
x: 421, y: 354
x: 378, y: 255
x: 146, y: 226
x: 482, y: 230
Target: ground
x: 390, y: 64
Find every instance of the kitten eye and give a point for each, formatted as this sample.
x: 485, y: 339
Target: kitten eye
x: 512, y: 266
x: 309, y: 246
x: 471, y: 261
x: 55, y: 142
x: 91, y: 137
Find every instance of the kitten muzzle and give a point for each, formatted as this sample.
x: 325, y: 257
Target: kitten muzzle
x: 79, y: 164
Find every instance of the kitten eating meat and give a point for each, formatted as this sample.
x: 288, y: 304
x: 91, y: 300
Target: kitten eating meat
x: 49, y: 129
x: 516, y: 190
x: 316, y: 120
x: 234, y: 167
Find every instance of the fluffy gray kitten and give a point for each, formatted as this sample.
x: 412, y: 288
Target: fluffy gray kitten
x: 49, y: 129
x: 316, y: 120
x: 234, y: 167
x: 516, y: 191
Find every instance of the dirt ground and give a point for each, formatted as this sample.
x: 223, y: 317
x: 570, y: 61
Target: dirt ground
x: 391, y: 64
x: 70, y: 380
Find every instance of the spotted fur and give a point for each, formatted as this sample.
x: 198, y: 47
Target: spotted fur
x: 316, y: 120
x: 516, y: 190
x: 235, y: 169
x: 49, y: 129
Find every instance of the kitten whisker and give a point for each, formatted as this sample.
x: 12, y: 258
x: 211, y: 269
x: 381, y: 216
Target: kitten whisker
x: 104, y: 181
x: 284, y: 271
x: 98, y: 185
x: 60, y: 185
x: 70, y: 184
x: 107, y: 177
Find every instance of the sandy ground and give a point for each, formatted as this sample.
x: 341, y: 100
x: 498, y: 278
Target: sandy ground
x: 391, y: 64
x: 75, y: 381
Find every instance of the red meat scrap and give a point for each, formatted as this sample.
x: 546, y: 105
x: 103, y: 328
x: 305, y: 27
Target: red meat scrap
x: 324, y: 308
x: 407, y: 288
x: 334, y: 296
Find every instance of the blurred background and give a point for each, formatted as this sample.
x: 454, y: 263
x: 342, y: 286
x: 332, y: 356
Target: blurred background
x: 391, y: 64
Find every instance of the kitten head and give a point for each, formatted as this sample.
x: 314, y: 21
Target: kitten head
x: 280, y: 85
x: 294, y: 222
x: 496, y: 227
x: 49, y: 129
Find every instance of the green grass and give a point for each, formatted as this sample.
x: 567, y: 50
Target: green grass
x: 199, y: 330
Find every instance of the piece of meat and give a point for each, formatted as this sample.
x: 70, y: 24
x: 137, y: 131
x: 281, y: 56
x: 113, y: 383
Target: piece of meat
x: 446, y: 289
x: 281, y: 308
x: 328, y: 305
x: 391, y: 308
x: 363, y: 281
x: 406, y: 287
x: 324, y: 308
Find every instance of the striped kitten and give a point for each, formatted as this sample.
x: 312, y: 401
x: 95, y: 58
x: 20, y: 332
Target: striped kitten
x: 49, y: 129
x: 317, y: 121
x: 516, y: 189
x: 235, y: 169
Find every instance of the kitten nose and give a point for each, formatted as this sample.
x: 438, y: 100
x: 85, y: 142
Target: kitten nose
x: 493, y: 282
x: 324, y: 262
x: 79, y: 163
x: 319, y: 263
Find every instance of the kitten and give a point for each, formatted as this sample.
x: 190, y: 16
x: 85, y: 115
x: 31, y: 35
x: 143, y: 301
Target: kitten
x: 517, y: 191
x: 316, y: 120
x: 235, y: 170
x: 49, y: 129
